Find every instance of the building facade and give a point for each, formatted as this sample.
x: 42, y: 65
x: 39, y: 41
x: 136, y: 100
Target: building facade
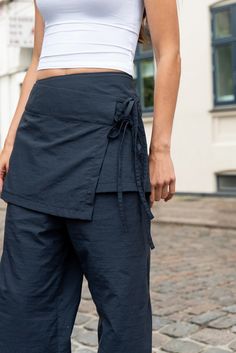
x: 204, y: 129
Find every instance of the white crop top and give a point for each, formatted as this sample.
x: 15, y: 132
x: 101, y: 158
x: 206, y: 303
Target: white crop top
x: 90, y: 33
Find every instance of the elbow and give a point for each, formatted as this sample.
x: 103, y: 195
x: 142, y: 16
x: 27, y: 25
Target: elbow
x: 170, y: 58
x: 172, y: 55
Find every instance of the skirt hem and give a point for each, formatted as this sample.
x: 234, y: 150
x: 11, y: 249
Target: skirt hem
x: 83, y: 214
x: 41, y: 207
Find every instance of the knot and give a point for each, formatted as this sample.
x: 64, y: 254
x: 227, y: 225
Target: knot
x: 122, y: 118
x: 128, y: 116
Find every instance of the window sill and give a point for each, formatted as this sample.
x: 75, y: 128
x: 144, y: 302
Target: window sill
x: 225, y: 108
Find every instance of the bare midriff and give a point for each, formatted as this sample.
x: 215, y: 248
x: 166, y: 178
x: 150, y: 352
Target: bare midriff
x: 44, y: 73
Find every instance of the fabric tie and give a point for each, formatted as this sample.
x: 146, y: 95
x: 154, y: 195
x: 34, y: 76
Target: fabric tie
x: 121, y: 122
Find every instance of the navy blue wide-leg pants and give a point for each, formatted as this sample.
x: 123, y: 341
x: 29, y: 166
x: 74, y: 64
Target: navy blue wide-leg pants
x: 77, y: 192
x: 41, y: 271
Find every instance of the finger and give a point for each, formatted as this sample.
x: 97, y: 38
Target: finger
x: 165, y: 191
x: 171, y: 190
x: 152, y: 195
x: 169, y: 197
x: 150, y: 202
x: 158, y: 192
x: 2, y: 170
x: 2, y: 173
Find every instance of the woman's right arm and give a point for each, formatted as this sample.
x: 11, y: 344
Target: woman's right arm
x: 28, y: 82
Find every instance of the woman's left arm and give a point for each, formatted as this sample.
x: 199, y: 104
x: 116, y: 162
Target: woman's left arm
x: 163, y: 24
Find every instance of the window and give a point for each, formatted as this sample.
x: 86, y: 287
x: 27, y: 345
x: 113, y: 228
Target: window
x: 224, y: 54
x: 226, y: 183
x: 144, y: 75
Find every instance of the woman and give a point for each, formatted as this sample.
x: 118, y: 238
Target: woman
x: 77, y: 178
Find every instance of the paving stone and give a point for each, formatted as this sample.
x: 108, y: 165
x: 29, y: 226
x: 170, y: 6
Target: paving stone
x: 85, y: 291
x: 201, y: 308
x: 180, y: 316
x: 180, y: 346
x: 227, y: 300
x: 169, y: 309
x: 86, y: 337
x: 74, y: 346
x: 158, y: 322
x: 158, y: 339
x: 82, y: 318
x: 179, y: 329
x: 92, y: 324
x: 206, y: 317
x: 233, y: 345
x: 213, y: 337
x: 75, y: 331
x: 83, y: 351
x: 230, y: 309
x: 87, y: 306
x: 225, y: 322
x: 216, y: 350
x: 221, y: 293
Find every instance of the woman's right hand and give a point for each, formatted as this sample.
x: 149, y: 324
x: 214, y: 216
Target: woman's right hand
x: 4, y: 163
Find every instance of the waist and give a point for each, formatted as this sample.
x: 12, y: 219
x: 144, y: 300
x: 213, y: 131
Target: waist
x: 91, y: 96
x: 67, y: 71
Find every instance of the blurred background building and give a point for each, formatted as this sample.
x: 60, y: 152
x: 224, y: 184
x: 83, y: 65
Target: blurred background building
x: 204, y: 131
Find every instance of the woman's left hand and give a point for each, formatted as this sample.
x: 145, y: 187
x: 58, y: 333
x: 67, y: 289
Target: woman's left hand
x: 162, y: 176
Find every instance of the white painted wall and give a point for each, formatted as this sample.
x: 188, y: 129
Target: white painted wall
x: 202, y: 143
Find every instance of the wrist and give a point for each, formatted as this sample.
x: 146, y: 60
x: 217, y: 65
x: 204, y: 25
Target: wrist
x: 159, y: 148
x: 8, y: 144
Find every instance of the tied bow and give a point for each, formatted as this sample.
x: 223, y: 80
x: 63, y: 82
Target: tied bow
x: 121, y: 122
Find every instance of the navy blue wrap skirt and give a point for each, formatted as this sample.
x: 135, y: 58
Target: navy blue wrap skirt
x: 79, y: 134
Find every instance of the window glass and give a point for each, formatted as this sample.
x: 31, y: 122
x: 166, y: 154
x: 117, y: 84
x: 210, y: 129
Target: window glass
x: 224, y: 73
x: 222, y: 26
x: 144, y: 73
x: 147, y: 82
x: 227, y: 183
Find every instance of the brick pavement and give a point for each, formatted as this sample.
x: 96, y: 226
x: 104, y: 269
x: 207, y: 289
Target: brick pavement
x: 193, y: 279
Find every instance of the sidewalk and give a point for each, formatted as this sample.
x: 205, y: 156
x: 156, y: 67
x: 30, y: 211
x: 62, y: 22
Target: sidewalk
x: 215, y: 212
x: 193, y: 279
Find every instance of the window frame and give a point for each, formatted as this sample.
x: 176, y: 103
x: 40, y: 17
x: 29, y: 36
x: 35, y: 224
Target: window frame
x: 219, y: 42
x: 139, y: 57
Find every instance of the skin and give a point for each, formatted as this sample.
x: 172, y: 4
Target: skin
x: 164, y: 31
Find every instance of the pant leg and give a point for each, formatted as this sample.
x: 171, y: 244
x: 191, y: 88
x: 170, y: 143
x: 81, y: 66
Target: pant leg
x: 117, y: 267
x: 69, y: 299
x: 39, y: 285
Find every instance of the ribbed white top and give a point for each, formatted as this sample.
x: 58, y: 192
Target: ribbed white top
x: 90, y: 33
